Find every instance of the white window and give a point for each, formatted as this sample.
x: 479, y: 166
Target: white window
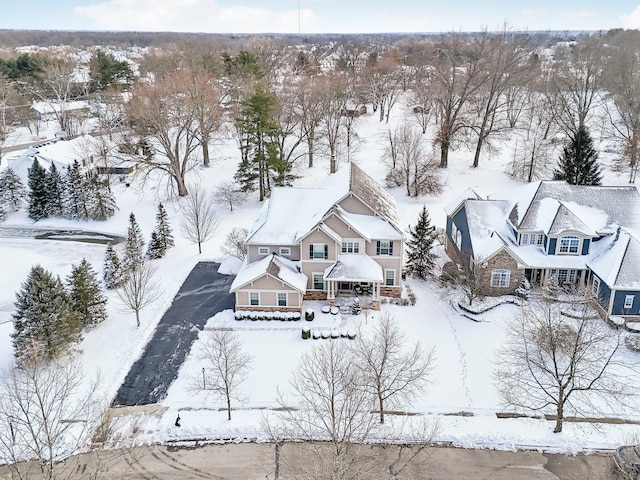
x: 318, y: 250
x: 628, y: 301
x: 500, y: 278
x: 254, y: 298
x: 524, y: 239
x: 285, y: 251
x: 595, y: 287
x: 539, y: 239
x: 263, y: 250
x: 282, y: 299
x: 455, y: 235
x: 389, y: 277
x: 350, y: 247
x: 569, y: 244
x: 318, y: 281
x: 385, y: 247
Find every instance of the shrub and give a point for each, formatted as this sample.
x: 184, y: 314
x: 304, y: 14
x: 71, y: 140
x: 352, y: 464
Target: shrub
x: 306, y: 333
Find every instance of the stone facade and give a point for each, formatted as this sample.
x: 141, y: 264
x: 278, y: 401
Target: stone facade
x: 503, y: 261
x: 315, y: 295
x: 394, y: 292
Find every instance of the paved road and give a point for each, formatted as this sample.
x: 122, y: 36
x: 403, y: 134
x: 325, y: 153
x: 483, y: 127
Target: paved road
x: 250, y: 461
x: 204, y: 293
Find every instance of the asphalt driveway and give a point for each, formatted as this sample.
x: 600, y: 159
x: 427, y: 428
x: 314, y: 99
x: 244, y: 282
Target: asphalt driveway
x: 204, y: 293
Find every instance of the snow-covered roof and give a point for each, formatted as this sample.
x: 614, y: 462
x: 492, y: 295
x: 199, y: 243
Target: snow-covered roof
x: 369, y: 226
x: 23, y: 163
x: 487, y: 218
x: 47, y: 108
x: 453, y: 205
x: 618, y: 265
x: 292, y: 212
x: 551, y: 206
x: 354, y: 268
x: 275, y: 266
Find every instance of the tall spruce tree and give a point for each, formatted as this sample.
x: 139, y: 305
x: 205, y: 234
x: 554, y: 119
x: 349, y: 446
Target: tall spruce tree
x: 156, y: 248
x: 133, y: 255
x: 420, y: 258
x: 37, y: 192
x: 87, y: 300
x: 75, y: 193
x: 43, y: 322
x: 55, y: 192
x: 579, y: 161
x: 101, y: 204
x: 12, y: 191
x: 163, y: 229
x: 112, y: 272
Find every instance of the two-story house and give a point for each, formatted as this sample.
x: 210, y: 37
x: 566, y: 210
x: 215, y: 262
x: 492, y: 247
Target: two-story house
x: 317, y: 243
x: 573, y: 234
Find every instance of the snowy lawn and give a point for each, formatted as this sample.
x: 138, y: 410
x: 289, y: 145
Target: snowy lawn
x: 462, y: 397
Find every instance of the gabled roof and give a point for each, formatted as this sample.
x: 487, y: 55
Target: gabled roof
x: 565, y: 219
x: 291, y: 212
x: 486, y: 218
x: 453, y: 205
x: 369, y: 226
x: 619, y: 264
x: 275, y: 266
x: 354, y: 268
x: 597, y: 209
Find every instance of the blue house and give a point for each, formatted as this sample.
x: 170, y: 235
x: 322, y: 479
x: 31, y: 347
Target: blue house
x: 548, y: 230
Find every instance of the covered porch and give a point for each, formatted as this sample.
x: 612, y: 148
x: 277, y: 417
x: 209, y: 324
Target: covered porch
x: 354, y: 274
x: 564, y: 276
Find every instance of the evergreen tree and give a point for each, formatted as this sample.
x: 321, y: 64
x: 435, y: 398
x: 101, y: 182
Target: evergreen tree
x: 87, y: 300
x: 12, y: 191
x: 420, y: 258
x: 44, y: 324
x: 3, y: 214
x: 75, y: 193
x: 579, y: 162
x: 101, y: 203
x: 133, y: 246
x: 37, y: 192
x: 156, y: 248
x: 112, y: 273
x: 55, y: 192
x: 163, y: 229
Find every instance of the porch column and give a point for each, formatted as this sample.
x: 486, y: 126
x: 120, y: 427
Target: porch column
x: 331, y: 289
x: 376, y: 290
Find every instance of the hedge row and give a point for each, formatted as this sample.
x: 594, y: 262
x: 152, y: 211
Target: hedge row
x: 255, y: 315
x: 317, y: 334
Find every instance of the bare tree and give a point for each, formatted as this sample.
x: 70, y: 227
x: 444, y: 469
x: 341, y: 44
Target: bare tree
x: 394, y: 372
x: 329, y: 405
x: 229, y: 193
x: 382, y: 83
x: 310, y: 111
x: 234, y: 243
x: 162, y: 111
x: 227, y: 364
x: 199, y: 221
x: 8, y: 100
x: 139, y: 289
x: 568, y: 364
x: 410, y: 165
x: 50, y: 414
x: 467, y: 277
x: 335, y: 95
x: 623, y: 84
x: 458, y: 72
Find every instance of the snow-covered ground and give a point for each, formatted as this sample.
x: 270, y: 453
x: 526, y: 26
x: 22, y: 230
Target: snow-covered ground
x: 462, y: 398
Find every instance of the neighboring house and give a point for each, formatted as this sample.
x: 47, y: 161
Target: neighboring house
x: 549, y: 230
x: 318, y: 243
x: 62, y: 153
x: 50, y: 110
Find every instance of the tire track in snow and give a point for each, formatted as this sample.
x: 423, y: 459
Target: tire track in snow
x: 462, y: 356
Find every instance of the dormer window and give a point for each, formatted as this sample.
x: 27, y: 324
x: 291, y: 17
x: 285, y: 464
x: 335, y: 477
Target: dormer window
x: 524, y: 239
x: 569, y: 244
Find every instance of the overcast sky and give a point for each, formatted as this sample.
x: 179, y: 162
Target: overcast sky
x: 317, y: 16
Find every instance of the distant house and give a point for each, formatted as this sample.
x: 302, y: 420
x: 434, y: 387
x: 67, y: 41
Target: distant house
x: 340, y: 237
x: 571, y: 234
x: 59, y: 152
x: 50, y: 110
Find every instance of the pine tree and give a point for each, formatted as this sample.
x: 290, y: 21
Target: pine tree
x: 112, y: 272
x: 163, y: 228
x: 75, y: 193
x: 156, y: 248
x: 133, y: 246
x: 55, y: 192
x: 101, y: 203
x: 87, y: 300
x: 37, y: 192
x: 579, y: 162
x: 44, y: 324
x: 12, y: 191
x: 420, y: 258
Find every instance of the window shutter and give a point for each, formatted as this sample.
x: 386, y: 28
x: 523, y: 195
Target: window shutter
x: 378, y: 247
x: 326, y: 251
x: 311, y: 250
x: 390, y: 248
